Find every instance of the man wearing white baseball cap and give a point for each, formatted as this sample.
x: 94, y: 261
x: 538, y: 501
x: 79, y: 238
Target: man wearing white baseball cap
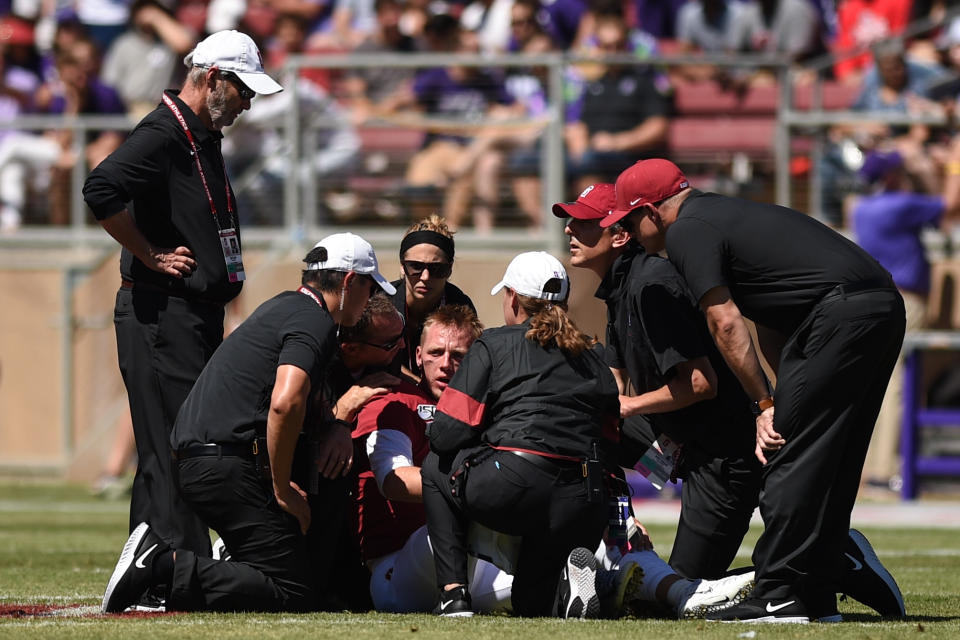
x: 165, y: 197
x: 233, y: 445
x: 235, y: 53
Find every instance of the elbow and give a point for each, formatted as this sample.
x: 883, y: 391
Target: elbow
x: 287, y: 405
x: 724, y: 329
x: 704, y: 387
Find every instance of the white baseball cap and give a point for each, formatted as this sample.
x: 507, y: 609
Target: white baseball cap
x: 234, y: 52
x: 350, y: 252
x: 536, y: 274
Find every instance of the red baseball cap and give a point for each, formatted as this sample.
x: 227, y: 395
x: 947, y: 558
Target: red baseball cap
x: 14, y: 30
x: 646, y: 182
x: 594, y: 203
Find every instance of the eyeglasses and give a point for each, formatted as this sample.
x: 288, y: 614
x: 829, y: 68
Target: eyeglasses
x: 246, y: 93
x: 387, y: 346
x: 415, y: 268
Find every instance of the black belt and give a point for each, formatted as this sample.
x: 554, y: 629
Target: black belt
x: 231, y: 450
x: 848, y: 289
x: 152, y: 288
x: 566, y: 470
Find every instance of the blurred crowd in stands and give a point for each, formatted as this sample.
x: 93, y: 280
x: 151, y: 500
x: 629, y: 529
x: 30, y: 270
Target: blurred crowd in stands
x: 484, y: 138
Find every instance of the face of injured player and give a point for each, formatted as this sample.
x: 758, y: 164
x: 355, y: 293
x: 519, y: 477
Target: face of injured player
x: 442, y: 348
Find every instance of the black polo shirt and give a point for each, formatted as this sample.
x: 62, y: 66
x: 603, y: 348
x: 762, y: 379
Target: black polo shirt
x: 617, y: 102
x: 777, y: 262
x: 154, y: 174
x: 452, y: 295
x: 231, y: 399
x: 653, y: 325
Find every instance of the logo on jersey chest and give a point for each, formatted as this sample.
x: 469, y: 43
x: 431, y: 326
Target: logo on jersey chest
x: 426, y: 411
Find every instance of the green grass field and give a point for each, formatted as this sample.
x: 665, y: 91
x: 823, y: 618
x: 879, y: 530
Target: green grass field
x: 58, y: 546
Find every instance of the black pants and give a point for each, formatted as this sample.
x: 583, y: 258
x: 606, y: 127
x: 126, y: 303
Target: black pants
x: 833, y: 374
x: 717, y: 501
x: 163, y: 343
x: 510, y: 495
x: 718, y: 498
x: 340, y: 577
x: 269, y: 569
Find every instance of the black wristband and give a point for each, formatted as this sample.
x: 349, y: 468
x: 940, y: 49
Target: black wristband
x: 343, y: 423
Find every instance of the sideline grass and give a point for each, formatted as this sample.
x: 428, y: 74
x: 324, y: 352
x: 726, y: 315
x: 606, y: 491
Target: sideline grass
x: 58, y: 546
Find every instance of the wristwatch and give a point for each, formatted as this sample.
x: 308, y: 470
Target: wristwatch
x: 761, y: 405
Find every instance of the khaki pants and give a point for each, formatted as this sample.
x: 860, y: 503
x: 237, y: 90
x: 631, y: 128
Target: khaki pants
x: 883, y: 461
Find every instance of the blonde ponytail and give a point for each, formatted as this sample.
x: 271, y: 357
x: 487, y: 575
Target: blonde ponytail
x: 549, y: 323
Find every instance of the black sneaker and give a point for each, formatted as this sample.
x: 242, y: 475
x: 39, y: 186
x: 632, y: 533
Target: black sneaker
x: 132, y: 576
x: 455, y: 603
x: 578, y: 586
x: 782, y: 610
x: 154, y: 600
x: 867, y: 581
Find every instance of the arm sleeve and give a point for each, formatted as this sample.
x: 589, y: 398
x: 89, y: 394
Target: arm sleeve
x: 139, y: 164
x: 305, y: 345
x: 672, y: 327
x: 924, y: 211
x: 698, y: 251
x: 388, y: 449
x: 612, y: 352
x: 462, y: 410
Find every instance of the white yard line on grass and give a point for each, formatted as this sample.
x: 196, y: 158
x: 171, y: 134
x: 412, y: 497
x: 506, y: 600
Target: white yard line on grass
x: 32, y: 506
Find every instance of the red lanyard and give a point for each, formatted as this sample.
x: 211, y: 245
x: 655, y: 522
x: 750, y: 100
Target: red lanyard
x: 316, y: 298
x: 196, y: 156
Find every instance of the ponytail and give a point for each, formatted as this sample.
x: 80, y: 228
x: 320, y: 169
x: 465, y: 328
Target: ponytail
x: 549, y: 323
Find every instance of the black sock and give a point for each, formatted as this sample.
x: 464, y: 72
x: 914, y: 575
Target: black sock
x: 162, y: 568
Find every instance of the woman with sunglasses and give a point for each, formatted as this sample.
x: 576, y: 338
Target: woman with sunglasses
x: 426, y: 260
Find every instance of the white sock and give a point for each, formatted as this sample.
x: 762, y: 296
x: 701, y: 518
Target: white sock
x: 654, y: 571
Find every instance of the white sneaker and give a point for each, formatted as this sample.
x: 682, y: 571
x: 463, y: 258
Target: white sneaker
x: 711, y: 596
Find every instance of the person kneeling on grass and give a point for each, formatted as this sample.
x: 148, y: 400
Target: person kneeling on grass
x: 250, y: 399
x: 518, y: 443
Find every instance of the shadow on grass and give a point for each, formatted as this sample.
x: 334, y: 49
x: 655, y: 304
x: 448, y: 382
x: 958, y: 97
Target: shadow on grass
x: 867, y: 617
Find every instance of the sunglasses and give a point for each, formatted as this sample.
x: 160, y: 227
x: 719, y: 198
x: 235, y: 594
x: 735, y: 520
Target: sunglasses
x: 387, y: 346
x: 414, y: 268
x: 246, y: 93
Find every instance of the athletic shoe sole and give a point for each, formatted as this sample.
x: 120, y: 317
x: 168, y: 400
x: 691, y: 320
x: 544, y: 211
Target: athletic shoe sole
x: 123, y: 564
x: 739, y: 596
x: 583, y: 602
x: 770, y: 620
x: 873, y: 562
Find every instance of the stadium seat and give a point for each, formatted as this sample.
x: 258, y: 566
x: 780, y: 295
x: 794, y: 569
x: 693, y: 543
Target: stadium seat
x: 700, y: 138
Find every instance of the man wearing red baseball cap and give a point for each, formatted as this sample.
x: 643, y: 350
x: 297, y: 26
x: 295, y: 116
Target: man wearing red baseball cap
x: 658, y: 342
x: 830, y: 322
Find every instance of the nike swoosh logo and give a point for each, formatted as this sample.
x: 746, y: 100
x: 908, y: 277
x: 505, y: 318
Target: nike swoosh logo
x: 143, y: 556
x: 635, y: 201
x: 857, y: 565
x: 771, y: 608
x: 444, y: 605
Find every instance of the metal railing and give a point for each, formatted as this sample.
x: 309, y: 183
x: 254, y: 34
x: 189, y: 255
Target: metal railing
x: 300, y: 218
